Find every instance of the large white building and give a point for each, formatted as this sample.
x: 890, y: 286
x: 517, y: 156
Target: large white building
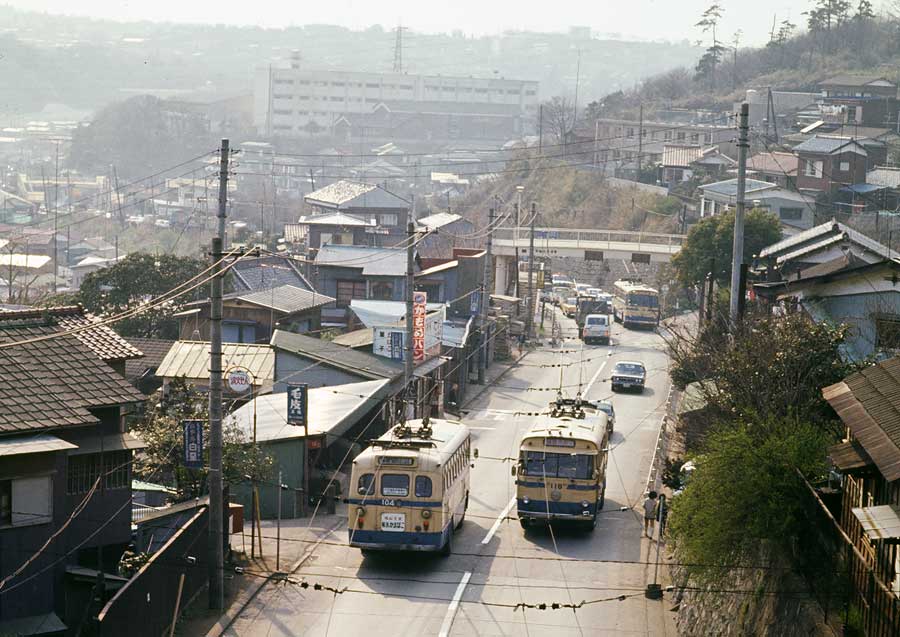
x: 303, y: 102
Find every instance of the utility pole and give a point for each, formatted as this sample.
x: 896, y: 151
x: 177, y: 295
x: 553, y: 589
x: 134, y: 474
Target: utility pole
x: 640, y: 143
x: 516, y: 248
x: 56, y: 221
x: 737, y: 256
x: 541, y: 129
x: 410, y: 286
x: 529, y: 319
x: 216, y: 506
x: 487, y: 286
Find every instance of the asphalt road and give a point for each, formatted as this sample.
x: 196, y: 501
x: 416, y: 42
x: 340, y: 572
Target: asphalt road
x: 496, y: 565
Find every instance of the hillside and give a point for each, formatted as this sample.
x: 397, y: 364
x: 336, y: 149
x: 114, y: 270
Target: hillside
x: 837, y: 37
x: 573, y: 197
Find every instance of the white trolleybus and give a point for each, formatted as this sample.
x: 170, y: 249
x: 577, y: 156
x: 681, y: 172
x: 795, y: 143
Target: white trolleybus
x: 635, y: 304
x: 561, y: 470
x: 410, y: 489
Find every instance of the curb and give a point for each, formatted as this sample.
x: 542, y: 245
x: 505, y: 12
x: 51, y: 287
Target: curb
x: 244, y: 600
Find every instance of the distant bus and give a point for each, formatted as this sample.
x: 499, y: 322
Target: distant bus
x: 561, y: 472
x: 635, y: 304
x: 410, y: 489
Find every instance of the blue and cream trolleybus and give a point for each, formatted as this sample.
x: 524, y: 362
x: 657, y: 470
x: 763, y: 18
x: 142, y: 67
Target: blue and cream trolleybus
x: 409, y: 490
x: 561, y: 469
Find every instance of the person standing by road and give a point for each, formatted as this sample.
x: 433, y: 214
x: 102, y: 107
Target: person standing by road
x: 650, y: 505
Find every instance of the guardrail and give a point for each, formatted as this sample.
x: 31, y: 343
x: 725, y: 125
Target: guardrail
x: 521, y: 236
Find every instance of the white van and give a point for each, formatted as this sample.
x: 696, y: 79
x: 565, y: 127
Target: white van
x: 596, y: 328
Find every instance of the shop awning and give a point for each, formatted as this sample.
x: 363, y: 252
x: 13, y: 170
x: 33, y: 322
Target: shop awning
x: 332, y: 410
x: 110, y: 442
x: 424, y: 369
x: 39, y: 443
x: 880, y: 522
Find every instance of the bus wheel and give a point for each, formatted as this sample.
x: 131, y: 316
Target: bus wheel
x: 447, y: 549
x: 524, y: 523
x: 590, y: 525
x: 463, y: 516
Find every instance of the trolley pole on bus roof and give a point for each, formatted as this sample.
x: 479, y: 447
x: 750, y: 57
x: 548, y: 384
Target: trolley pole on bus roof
x: 408, y: 336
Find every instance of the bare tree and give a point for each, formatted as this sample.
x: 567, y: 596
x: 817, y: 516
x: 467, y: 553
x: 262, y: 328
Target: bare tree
x: 559, y: 118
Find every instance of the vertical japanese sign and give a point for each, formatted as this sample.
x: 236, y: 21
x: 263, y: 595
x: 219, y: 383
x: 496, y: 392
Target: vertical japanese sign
x: 193, y: 443
x: 297, y: 403
x: 475, y: 303
x: 397, y: 346
x: 419, y: 312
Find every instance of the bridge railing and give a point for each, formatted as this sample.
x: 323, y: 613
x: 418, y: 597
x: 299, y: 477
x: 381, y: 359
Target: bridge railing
x: 579, y: 235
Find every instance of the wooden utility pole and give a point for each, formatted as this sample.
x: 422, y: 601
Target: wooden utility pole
x: 640, y: 143
x: 487, y: 285
x: 529, y: 319
x: 737, y: 256
x: 408, y: 336
x: 216, y: 505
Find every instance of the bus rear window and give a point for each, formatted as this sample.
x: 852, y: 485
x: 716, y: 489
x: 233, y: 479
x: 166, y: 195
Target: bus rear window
x: 423, y: 487
x: 366, y: 484
x: 643, y: 300
x: 395, y: 484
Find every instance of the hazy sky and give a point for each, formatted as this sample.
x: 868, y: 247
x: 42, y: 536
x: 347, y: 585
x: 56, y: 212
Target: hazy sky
x: 648, y: 19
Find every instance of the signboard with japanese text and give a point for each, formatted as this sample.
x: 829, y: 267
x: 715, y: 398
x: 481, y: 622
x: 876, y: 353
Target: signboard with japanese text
x: 193, y: 443
x: 396, y: 347
x: 239, y: 380
x: 475, y: 303
x: 419, y: 313
x: 297, y: 404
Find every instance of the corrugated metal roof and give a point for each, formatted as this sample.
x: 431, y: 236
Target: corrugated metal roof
x: 852, y: 79
x: 887, y: 176
x: 438, y: 220
x: 339, y: 192
x: 822, y: 145
x: 879, y: 522
x: 285, y: 298
x: 332, y: 410
x: 364, y: 364
x: 37, y: 443
x: 728, y: 188
x: 778, y: 163
x: 849, y: 455
x: 868, y: 402
x: 334, y: 219
x: 190, y: 360
x: 372, y: 261
x: 681, y: 156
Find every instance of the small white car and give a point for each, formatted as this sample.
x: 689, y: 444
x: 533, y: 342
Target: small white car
x: 596, y: 328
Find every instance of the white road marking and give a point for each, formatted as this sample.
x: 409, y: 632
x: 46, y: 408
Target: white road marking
x: 595, y: 376
x: 500, y: 518
x: 482, y: 428
x: 454, y: 605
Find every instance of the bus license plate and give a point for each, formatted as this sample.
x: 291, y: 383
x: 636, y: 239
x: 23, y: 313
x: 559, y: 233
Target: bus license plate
x: 393, y: 521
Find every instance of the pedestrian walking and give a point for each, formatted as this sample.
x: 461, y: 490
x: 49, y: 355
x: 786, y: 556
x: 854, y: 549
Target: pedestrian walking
x: 650, y: 505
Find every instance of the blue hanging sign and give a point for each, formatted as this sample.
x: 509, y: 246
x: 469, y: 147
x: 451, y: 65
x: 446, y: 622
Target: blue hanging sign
x: 193, y: 443
x: 297, y: 404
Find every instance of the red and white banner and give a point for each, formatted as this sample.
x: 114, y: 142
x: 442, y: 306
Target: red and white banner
x: 419, y: 312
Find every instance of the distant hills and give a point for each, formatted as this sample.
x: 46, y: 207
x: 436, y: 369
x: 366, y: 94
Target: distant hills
x: 84, y: 64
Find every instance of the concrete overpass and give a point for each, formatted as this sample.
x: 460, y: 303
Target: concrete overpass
x: 590, y: 245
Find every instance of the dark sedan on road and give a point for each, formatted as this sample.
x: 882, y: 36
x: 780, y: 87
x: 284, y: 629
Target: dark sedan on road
x: 629, y: 375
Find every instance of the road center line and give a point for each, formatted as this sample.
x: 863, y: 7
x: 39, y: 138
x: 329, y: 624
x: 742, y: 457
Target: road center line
x: 454, y: 605
x: 595, y: 376
x: 500, y: 518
